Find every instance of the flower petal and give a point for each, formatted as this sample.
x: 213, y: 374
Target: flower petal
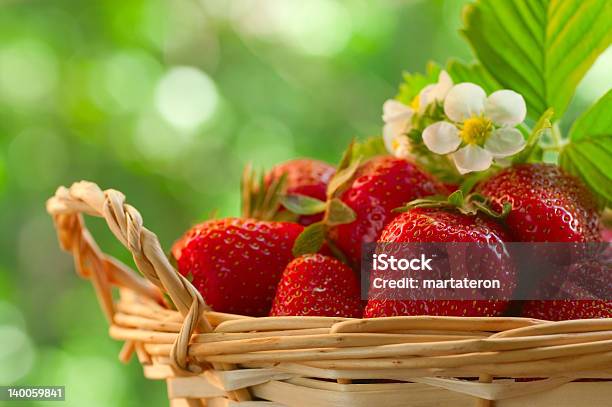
x: 472, y: 158
x: 388, y: 137
x: 401, y: 147
x: 445, y: 83
x: 393, y: 130
x: 435, y: 92
x: 506, y: 107
x: 463, y: 101
x: 426, y: 96
x: 441, y: 137
x: 504, y: 142
x: 395, y: 110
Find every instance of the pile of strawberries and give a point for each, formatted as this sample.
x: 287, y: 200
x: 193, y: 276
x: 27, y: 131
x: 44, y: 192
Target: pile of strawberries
x: 297, y: 248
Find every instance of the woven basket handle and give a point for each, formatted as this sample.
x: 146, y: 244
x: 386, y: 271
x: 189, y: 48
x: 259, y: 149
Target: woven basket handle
x: 67, y: 206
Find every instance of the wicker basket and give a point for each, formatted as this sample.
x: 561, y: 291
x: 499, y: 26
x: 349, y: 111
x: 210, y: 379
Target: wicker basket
x: 214, y: 359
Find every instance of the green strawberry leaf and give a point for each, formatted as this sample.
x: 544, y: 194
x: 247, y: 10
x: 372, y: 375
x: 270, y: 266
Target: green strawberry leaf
x: 596, y: 120
x: 339, y: 213
x: 310, y: 240
x: 541, y: 49
x: 475, y: 73
x: 413, y: 83
x: 591, y: 159
x: 589, y: 153
x: 302, y: 204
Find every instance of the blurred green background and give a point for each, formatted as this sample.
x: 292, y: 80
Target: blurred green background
x: 166, y: 101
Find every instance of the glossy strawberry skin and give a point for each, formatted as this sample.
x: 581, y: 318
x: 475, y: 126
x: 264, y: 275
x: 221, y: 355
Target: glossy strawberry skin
x: 454, y: 308
x: 380, y: 185
x: 236, y: 263
x: 586, y: 279
x: 561, y: 310
x: 317, y: 285
x: 305, y: 177
x: 440, y: 225
x: 548, y: 205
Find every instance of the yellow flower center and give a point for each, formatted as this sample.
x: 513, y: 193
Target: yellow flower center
x: 416, y: 101
x: 476, y: 130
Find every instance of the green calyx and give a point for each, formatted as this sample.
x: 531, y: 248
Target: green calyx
x: 310, y: 240
x: 302, y: 204
x: 335, y: 211
x: 314, y: 236
x: 468, y: 205
x: 261, y: 201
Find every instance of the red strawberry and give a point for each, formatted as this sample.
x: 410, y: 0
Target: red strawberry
x: 317, y: 285
x: 586, y: 281
x: 236, y: 263
x: 548, y: 205
x: 304, y: 177
x: 454, y: 308
x: 451, y: 187
x: 561, y: 310
x: 442, y: 225
x: 380, y: 185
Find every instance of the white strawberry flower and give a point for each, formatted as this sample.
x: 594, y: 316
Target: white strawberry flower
x: 435, y: 92
x: 398, y: 116
x: 398, y: 121
x: 482, y: 129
